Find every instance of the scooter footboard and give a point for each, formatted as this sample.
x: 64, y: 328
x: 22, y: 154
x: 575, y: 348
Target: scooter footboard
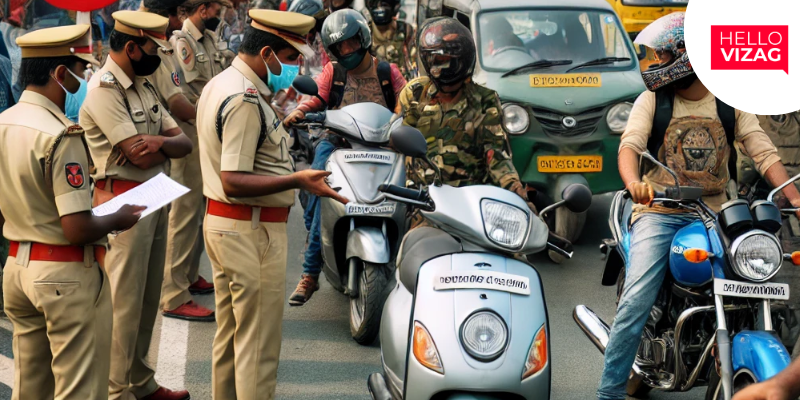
x: 368, y: 244
x: 760, y: 353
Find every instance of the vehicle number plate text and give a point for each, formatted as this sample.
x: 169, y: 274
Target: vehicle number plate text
x: 370, y: 157
x: 772, y: 291
x: 352, y: 208
x: 566, y: 80
x: 561, y: 164
x: 483, y: 280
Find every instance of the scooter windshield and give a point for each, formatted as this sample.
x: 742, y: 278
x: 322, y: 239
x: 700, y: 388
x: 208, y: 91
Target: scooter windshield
x: 364, y: 122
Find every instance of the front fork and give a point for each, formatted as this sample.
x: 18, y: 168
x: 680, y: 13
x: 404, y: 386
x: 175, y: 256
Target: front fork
x: 724, y: 342
x: 352, y: 265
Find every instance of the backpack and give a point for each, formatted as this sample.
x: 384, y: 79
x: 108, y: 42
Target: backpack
x: 665, y: 99
x: 340, y: 79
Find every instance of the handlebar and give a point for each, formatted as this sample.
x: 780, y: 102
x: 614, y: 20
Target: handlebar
x: 399, y: 191
x: 559, y: 245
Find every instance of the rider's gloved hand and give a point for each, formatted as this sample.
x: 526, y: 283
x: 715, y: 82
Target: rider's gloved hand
x: 641, y: 192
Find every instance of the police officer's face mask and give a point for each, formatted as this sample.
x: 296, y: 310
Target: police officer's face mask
x: 146, y: 65
x: 277, y: 83
x: 69, y: 88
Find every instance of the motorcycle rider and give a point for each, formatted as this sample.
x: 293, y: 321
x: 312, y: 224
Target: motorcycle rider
x: 388, y: 36
x: 355, y: 77
x: 461, y: 119
x: 696, y: 120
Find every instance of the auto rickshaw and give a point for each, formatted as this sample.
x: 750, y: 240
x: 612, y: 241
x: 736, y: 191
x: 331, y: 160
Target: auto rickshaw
x: 567, y: 75
x: 637, y: 14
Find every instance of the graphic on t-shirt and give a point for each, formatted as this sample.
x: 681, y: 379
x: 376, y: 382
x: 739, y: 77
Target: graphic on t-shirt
x: 697, y: 150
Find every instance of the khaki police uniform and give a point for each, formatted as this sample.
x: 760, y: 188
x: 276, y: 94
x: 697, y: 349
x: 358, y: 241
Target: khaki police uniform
x: 117, y: 108
x: 56, y: 294
x: 246, y: 237
x: 199, y: 56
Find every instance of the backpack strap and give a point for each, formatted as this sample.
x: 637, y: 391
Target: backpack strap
x: 337, y: 86
x: 385, y: 79
x: 727, y: 116
x: 665, y: 99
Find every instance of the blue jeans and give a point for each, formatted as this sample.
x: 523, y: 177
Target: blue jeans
x: 313, y: 259
x: 651, y: 238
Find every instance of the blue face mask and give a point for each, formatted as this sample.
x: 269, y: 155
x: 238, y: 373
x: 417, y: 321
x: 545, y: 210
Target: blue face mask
x: 277, y: 83
x: 72, y: 106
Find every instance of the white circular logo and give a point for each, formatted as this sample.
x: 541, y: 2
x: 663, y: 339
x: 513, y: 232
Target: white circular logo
x: 569, y: 122
x: 743, y: 52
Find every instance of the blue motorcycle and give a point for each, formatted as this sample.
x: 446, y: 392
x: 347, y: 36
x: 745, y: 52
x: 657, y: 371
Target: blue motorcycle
x: 712, y: 321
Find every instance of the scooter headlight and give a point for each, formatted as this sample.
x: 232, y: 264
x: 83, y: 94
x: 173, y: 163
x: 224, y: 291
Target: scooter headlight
x: 505, y: 225
x: 537, y: 355
x: 425, y: 349
x: 515, y: 119
x: 617, y: 117
x: 484, y: 335
x: 757, y: 256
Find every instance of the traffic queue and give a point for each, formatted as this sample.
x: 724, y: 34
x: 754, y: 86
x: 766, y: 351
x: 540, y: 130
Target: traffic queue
x: 446, y: 143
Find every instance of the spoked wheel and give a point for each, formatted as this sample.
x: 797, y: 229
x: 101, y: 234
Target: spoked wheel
x: 741, y: 380
x: 569, y: 225
x: 366, y: 308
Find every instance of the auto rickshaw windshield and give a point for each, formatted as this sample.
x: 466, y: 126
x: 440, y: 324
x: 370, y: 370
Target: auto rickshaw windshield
x: 510, y: 39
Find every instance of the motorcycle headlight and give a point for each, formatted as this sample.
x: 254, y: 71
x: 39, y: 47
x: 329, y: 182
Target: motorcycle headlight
x: 757, y: 256
x: 617, y: 117
x: 505, y: 225
x: 515, y: 119
x: 484, y: 335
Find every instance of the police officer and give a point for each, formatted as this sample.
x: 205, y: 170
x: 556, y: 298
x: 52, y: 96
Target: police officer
x: 131, y: 138
x: 57, y: 296
x: 462, y: 120
x: 388, y: 37
x: 184, y: 242
x: 248, y: 177
x: 197, y: 44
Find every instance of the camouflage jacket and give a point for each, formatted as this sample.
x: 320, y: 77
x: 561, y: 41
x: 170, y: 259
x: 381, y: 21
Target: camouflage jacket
x: 389, y: 48
x: 466, y: 140
x: 784, y: 131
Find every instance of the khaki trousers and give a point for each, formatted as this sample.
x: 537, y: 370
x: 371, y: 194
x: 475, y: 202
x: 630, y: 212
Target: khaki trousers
x: 184, y: 242
x: 135, y: 265
x: 249, y: 264
x: 61, y: 313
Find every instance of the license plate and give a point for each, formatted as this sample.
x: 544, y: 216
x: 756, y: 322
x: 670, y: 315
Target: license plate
x: 772, y: 291
x: 566, y: 80
x: 351, y: 208
x: 370, y: 157
x: 561, y: 164
x: 483, y: 280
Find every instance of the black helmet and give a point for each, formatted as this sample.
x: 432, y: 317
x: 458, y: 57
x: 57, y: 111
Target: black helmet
x: 312, y: 8
x: 343, y: 25
x: 383, y: 11
x: 447, y: 50
x: 346, y: 4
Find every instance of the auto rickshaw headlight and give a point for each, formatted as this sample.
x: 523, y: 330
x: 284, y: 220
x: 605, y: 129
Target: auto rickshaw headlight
x: 515, y: 119
x: 617, y: 117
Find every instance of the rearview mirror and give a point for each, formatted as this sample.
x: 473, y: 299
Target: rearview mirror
x: 577, y: 197
x: 409, y: 142
x: 305, y: 85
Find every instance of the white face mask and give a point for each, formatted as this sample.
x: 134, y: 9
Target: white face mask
x: 78, y: 79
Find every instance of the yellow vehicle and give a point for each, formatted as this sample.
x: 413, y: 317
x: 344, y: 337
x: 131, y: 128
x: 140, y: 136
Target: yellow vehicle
x: 636, y: 14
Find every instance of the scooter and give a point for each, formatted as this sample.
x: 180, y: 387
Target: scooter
x: 467, y: 320
x: 360, y: 239
x: 712, y: 322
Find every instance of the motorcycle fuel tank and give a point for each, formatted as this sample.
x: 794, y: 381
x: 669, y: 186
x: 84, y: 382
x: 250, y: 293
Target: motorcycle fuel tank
x: 685, y: 272
x: 443, y: 312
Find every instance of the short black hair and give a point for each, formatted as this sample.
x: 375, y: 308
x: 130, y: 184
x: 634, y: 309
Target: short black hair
x: 193, y: 9
x: 117, y: 40
x: 37, y: 71
x: 255, y: 39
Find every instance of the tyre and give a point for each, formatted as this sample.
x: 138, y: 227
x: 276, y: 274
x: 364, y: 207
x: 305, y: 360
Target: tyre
x: 568, y: 225
x: 366, y: 308
x: 741, y: 379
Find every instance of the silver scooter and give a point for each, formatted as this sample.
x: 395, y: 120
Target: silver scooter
x: 360, y: 239
x: 468, y: 320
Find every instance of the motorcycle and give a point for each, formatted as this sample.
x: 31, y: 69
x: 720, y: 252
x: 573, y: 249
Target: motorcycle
x: 712, y: 322
x: 467, y: 320
x: 360, y: 238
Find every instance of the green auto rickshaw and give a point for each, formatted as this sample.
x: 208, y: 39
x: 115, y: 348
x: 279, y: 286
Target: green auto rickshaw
x: 567, y: 75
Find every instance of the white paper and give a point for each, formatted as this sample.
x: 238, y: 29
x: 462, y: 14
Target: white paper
x: 154, y: 194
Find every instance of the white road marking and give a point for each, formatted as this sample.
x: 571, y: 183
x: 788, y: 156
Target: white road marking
x: 171, y: 366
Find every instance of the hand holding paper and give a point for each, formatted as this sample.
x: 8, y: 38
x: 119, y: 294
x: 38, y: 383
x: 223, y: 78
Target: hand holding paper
x: 153, y: 194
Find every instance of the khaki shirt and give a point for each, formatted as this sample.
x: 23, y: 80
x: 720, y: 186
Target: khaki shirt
x: 31, y: 207
x: 240, y: 122
x: 108, y: 121
x: 199, y: 57
x: 753, y: 141
x: 167, y: 79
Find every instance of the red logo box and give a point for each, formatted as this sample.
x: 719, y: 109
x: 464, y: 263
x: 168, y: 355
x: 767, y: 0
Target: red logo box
x: 750, y: 47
